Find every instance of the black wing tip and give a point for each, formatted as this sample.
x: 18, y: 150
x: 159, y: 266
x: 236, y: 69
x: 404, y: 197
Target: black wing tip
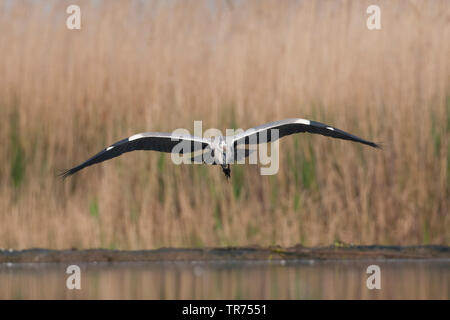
x: 66, y: 173
x: 377, y: 145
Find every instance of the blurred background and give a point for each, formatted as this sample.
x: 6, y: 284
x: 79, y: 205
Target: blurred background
x: 139, y: 66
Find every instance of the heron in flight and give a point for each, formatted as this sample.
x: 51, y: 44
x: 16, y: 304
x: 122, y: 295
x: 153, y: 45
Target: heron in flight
x: 222, y: 149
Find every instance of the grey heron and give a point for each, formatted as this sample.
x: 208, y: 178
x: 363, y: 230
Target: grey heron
x: 222, y: 148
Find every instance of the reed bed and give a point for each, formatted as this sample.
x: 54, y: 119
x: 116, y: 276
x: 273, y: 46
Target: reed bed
x: 139, y: 66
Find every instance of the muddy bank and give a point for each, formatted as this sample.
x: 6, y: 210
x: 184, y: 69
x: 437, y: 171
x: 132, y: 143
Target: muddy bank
x: 231, y: 253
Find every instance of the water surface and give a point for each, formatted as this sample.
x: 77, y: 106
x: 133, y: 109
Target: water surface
x: 400, y: 279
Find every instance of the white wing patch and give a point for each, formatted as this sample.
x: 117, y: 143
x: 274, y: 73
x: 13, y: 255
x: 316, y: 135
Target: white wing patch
x: 303, y: 121
x: 136, y: 136
x: 109, y: 148
x: 330, y: 128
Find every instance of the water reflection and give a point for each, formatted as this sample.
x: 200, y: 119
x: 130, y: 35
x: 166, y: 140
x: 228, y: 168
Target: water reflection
x: 229, y: 280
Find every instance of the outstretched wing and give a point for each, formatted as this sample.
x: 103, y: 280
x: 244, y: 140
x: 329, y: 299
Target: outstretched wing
x: 156, y: 141
x: 262, y: 134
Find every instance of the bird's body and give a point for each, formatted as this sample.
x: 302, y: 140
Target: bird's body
x: 221, y: 150
x: 222, y: 153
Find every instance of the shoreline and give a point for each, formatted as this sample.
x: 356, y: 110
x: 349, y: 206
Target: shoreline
x: 338, y: 252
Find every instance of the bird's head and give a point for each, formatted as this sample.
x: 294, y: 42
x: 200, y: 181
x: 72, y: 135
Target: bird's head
x: 219, y: 144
